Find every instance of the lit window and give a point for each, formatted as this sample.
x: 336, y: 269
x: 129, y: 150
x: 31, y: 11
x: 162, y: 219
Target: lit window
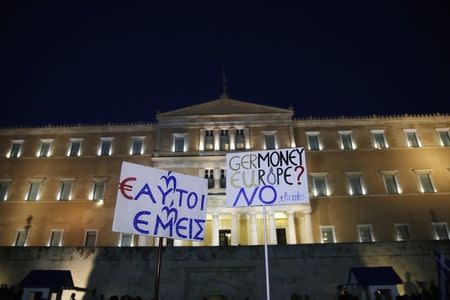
x: 75, y: 147
x: 240, y: 139
x: 379, y: 139
x: 34, y: 190
x: 137, y: 147
x: 346, y: 140
x: 355, y: 184
x: 391, y: 183
x: 209, y: 140
x: 223, y: 179
x: 426, y: 185
x: 313, y: 140
x: 179, y: 142
x: 126, y: 240
x: 21, y: 238
x: 444, y: 136
x: 90, y: 238
x: 320, y: 184
x: 224, y: 140
x: 402, y: 232
x: 270, y: 140
x: 56, y: 236
x: 65, y: 190
x: 16, y: 149
x: 440, y: 231
x: 209, y: 175
x: 4, y: 187
x: 365, y: 233
x: 327, y: 234
x: 44, y: 149
x: 106, y: 146
x: 98, y: 192
x: 411, y: 138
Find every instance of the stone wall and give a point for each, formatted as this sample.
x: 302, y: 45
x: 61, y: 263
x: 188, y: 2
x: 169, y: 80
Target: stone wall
x: 236, y: 272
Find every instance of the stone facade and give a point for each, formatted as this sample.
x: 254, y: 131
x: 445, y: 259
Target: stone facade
x: 370, y: 178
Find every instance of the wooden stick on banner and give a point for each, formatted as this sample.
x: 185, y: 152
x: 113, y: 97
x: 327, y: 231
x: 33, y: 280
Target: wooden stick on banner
x: 266, y: 258
x: 158, y: 269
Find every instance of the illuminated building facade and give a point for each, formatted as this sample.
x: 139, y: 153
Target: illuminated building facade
x: 370, y: 178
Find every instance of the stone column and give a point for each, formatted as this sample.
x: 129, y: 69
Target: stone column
x: 215, y: 230
x: 291, y: 136
x: 216, y: 178
x: 232, y: 134
x: 201, y: 144
x: 142, y: 241
x: 253, y: 232
x: 271, y: 229
x: 216, y: 139
x: 247, y: 138
x: 306, y: 230
x: 177, y: 243
x: 234, y: 229
x: 291, y: 238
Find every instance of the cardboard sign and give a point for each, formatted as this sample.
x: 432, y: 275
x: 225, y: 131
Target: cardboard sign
x: 155, y: 202
x: 267, y: 178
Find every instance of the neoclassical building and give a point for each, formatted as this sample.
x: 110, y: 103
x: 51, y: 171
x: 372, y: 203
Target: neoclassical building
x: 377, y: 178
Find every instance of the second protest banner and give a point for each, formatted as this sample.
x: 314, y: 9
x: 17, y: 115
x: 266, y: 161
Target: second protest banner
x: 269, y: 177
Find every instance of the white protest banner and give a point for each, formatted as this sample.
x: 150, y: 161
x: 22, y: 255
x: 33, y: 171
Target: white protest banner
x: 269, y: 177
x: 160, y: 203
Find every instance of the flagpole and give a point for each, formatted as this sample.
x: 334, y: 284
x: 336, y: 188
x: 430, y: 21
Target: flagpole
x: 266, y: 258
x: 158, y: 270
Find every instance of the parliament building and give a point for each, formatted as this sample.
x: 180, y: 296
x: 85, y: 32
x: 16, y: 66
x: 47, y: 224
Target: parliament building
x: 371, y: 178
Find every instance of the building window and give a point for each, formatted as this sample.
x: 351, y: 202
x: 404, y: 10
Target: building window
x: 223, y: 179
x: 21, y: 238
x: 440, y: 231
x: 379, y: 139
x: 365, y: 233
x: 320, y: 184
x: 346, y: 140
x: 209, y: 140
x: 90, y: 238
x: 270, y: 140
x: 16, y: 149
x: 34, y: 191
x: 179, y: 142
x: 4, y: 187
x: 98, y: 190
x: 137, y: 146
x: 56, y: 236
x: 75, y: 147
x: 327, y: 234
x: 355, y: 184
x: 209, y: 175
x: 313, y: 140
x: 402, y: 232
x: 126, y: 240
x: 240, y: 139
x: 65, y: 190
x: 224, y: 237
x: 105, y: 146
x: 281, y: 236
x: 44, y: 149
x: 391, y: 183
x: 426, y: 185
x: 224, y: 140
x: 444, y: 136
x: 411, y: 138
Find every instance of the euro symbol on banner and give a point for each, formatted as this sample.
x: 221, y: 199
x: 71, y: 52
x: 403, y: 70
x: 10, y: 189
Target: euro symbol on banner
x: 123, y: 186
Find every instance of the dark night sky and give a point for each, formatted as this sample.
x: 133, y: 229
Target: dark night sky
x: 123, y: 61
